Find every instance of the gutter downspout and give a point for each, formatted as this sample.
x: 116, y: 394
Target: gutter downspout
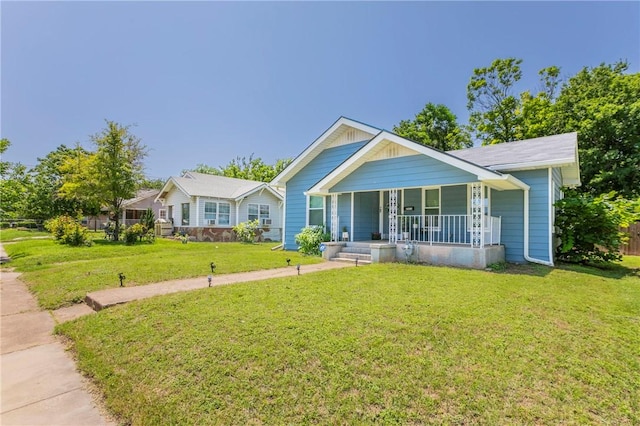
x: 526, y: 234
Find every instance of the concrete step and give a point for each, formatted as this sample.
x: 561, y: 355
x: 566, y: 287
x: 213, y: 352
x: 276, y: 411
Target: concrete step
x: 356, y: 249
x: 359, y: 256
x: 350, y: 260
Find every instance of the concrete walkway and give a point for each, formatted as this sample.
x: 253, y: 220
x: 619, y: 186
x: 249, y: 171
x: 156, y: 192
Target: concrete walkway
x: 113, y: 296
x: 40, y: 382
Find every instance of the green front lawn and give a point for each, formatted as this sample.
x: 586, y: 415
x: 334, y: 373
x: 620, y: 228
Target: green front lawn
x: 389, y: 344
x: 60, y: 275
x: 11, y: 234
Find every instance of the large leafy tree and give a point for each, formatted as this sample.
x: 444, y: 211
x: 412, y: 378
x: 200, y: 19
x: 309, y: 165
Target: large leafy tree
x: 44, y: 200
x: 492, y: 103
x: 14, y: 185
x: 111, y: 174
x: 602, y: 104
x: 246, y: 168
x: 435, y: 126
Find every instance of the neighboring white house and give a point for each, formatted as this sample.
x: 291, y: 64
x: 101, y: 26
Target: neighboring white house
x: 208, y: 206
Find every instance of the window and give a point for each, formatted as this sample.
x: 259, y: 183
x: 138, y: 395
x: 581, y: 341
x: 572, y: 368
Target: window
x: 134, y: 214
x: 210, y: 211
x: 316, y: 211
x: 217, y: 213
x: 432, y: 206
x: 259, y: 212
x: 185, y: 214
x: 224, y: 213
x: 162, y: 214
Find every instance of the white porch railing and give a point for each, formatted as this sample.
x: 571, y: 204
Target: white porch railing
x: 446, y: 229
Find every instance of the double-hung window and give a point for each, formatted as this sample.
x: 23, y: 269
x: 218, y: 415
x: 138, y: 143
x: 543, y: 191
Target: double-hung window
x: 185, y: 214
x: 260, y: 212
x: 316, y: 210
x: 432, y: 207
x: 217, y: 213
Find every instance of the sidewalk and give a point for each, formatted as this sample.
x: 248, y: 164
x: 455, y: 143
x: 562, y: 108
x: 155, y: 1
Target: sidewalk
x: 40, y: 383
x: 113, y: 296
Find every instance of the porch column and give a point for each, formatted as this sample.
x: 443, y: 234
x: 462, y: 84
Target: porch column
x: 477, y: 233
x: 334, y: 217
x: 393, y: 216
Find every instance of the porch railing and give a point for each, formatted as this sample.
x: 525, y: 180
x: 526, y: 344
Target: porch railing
x: 446, y: 229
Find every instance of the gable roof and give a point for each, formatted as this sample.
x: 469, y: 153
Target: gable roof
x: 205, y: 185
x: 384, y: 139
x: 337, y: 133
x: 548, y: 151
x: 141, y: 195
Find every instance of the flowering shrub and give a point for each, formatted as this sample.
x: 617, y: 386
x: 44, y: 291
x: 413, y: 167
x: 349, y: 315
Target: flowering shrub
x: 246, y: 231
x: 309, y: 239
x: 67, y: 230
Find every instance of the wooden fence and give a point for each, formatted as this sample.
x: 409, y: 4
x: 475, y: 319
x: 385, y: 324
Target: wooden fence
x: 633, y: 245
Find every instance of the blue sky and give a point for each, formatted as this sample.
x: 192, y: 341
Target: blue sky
x: 204, y: 82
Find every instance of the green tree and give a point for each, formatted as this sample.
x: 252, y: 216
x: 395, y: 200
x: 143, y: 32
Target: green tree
x: 602, y: 104
x: 493, y: 107
x: 14, y: 186
x: 435, y: 126
x: 148, y: 183
x: 112, y: 174
x: 537, y: 111
x: 590, y: 226
x: 246, y: 168
x: 43, y: 199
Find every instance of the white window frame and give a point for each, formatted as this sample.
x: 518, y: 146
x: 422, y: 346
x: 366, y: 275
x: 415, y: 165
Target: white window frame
x: 260, y: 216
x: 424, y: 205
x: 162, y: 214
x: 182, y: 210
x: 324, y: 209
x: 208, y: 216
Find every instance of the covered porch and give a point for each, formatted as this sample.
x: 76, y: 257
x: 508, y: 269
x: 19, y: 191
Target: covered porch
x: 453, y: 215
x: 449, y: 225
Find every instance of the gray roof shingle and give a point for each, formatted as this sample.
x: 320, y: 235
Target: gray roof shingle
x: 549, y: 150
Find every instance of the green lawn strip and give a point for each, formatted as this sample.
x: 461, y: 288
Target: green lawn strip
x: 384, y: 343
x: 60, y: 275
x: 10, y: 234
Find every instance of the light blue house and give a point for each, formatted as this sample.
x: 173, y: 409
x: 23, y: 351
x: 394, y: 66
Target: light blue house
x: 384, y: 197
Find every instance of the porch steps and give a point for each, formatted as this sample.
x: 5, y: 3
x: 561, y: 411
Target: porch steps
x: 353, y: 251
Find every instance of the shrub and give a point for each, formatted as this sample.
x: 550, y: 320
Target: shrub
x: 148, y: 219
x: 67, y: 230
x: 309, y: 239
x: 246, y: 231
x: 134, y: 233
x: 57, y: 226
x: 589, y: 227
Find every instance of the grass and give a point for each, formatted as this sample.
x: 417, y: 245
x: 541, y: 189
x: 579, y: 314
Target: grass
x: 60, y: 275
x: 10, y: 234
x: 390, y: 344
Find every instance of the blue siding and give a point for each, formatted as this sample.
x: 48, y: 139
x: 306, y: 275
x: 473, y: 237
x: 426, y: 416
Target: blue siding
x: 413, y: 197
x: 365, y: 214
x: 344, y: 213
x: 453, y: 199
x: 296, y: 201
x: 539, y: 239
x: 403, y: 172
x: 510, y: 206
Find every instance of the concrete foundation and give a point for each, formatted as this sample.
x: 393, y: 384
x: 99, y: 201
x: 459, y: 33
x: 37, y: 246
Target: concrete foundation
x: 452, y: 255
x: 381, y: 253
